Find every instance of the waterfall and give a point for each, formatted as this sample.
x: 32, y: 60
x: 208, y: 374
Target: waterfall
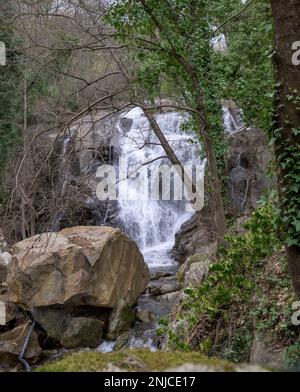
x: 232, y: 119
x: 153, y: 223
x: 219, y: 43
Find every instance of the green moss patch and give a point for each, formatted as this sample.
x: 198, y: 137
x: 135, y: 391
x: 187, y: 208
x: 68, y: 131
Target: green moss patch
x: 131, y: 360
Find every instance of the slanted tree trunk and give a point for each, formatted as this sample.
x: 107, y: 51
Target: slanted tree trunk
x: 286, y: 15
x: 191, y: 188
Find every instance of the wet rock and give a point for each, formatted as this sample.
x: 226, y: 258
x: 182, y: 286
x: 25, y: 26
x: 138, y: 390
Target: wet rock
x: 163, y: 286
x: 182, y: 271
x: 160, y: 272
x: 159, y: 306
x: 145, y: 315
x: 142, y: 336
x: 11, y: 344
x: 154, y: 291
x: 157, y: 275
x: 173, y: 297
x: 121, y: 319
x: 169, y: 288
x: 195, y: 236
x: 122, y: 342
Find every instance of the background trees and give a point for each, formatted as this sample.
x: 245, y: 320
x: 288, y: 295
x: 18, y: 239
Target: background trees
x: 171, y: 42
x: 66, y: 58
x: 10, y: 76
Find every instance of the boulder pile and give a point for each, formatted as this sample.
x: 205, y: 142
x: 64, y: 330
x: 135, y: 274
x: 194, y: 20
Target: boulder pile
x: 78, y: 284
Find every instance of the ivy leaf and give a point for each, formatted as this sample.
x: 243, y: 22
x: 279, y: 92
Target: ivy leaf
x: 291, y: 242
x: 297, y: 225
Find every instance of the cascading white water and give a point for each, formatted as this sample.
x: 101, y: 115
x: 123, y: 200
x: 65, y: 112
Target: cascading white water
x: 153, y: 223
x: 233, y: 122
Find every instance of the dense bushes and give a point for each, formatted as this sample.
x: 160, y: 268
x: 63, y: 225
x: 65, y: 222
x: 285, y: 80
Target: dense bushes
x: 247, y: 291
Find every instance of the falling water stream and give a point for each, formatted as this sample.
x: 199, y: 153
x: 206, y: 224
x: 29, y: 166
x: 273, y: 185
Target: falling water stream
x: 151, y: 223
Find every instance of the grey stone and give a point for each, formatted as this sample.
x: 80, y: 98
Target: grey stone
x: 82, y: 332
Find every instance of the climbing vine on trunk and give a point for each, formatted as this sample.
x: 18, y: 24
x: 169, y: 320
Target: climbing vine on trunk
x: 287, y: 127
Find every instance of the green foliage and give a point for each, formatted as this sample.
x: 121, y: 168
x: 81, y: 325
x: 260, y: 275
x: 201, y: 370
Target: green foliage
x: 231, y: 278
x: 287, y: 159
x: 246, y: 73
x: 221, y: 315
x: 171, y: 43
x: 170, y: 33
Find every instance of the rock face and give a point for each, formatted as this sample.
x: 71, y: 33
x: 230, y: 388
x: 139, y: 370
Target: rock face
x: 163, y: 286
x: 248, y: 159
x: 11, y: 344
x: 93, y: 140
x: 195, y: 270
x: 82, y: 331
x: 77, y: 272
x: 195, y: 236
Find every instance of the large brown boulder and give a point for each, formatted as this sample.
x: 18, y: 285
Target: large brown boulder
x: 78, y: 272
x: 96, y: 266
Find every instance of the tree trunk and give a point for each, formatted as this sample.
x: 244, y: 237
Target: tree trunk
x: 214, y: 178
x: 286, y: 15
x: 215, y: 191
x: 193, y: 193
